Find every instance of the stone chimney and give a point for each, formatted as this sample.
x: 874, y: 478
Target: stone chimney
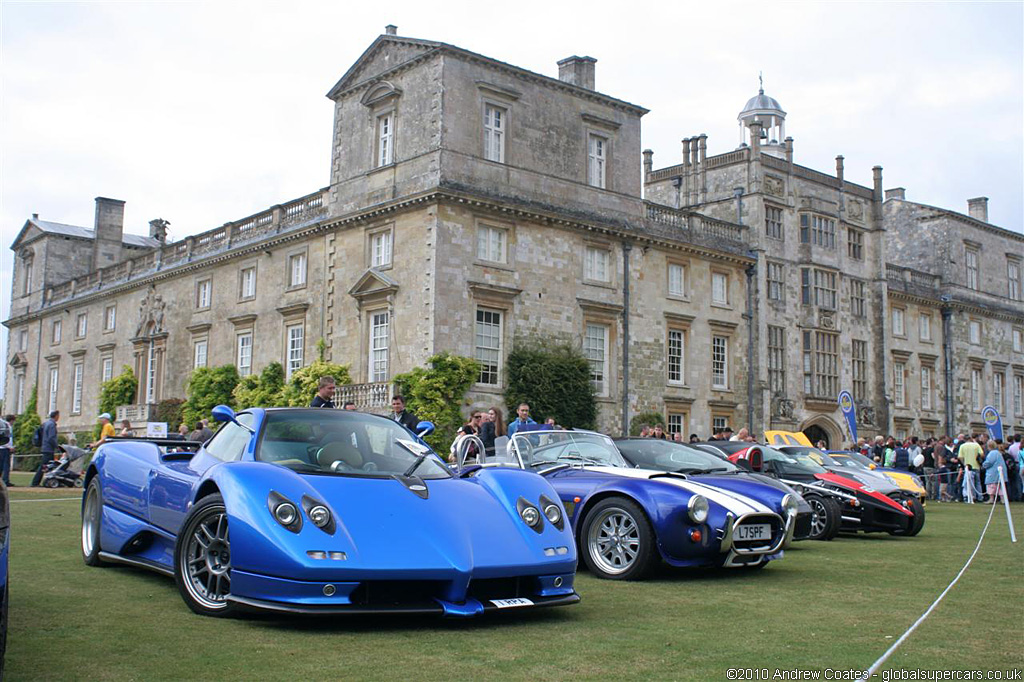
x: 839, y: 168
x: 648, y: 162
x: 577, y: 71
x: 391, y: 30
x: 977, y: 208
x: 898, y: 193
x: 106, y: 245
x: 158, y: 229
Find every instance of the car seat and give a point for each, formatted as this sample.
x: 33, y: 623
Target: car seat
x: 337, y: 451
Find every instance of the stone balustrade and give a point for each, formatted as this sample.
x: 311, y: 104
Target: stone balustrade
x: 373, y: 397
x: 254, y: 227
x: 136, y: 414
x: 696, y: 228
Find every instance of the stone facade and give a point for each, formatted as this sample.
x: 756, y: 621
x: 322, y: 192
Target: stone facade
x: 474, y: 205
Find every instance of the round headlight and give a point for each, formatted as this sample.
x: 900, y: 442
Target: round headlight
x: 320, y: 516
x: 286, y: 513
x: 789, y: 505
x: 697, y: 509
x: 553, y: 513
x: 531, y: 516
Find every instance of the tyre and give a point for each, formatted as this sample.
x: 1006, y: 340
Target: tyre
x: 78, y: 482
x: 92, y: 522
x: 51, y: 483
x: 825, y: 517
x: 202, y: 558
x: 617, y: 540
x: 3, y: 626
x: 917, y: 523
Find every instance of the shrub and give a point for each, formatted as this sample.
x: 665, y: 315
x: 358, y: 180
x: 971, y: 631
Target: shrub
x: 169, y: 411
x: 24, y: 426
x: 648, y: 418
x: 119, y: 390
x: 554, y: 380
x: 301, y: 388
x: 437, y: 393
x: 261, y: 390
x: 208, y: 387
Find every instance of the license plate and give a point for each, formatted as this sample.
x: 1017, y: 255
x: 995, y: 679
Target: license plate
x: 754, y: 531
x: 511, y: 603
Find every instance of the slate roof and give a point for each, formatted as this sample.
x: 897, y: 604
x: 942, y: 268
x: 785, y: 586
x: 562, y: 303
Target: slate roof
x: 88, y: 233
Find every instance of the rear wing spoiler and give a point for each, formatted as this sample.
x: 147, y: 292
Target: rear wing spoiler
x: 163, y: 442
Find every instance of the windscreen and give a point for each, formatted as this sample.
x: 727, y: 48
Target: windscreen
x: 652, y: 453
x: 545, y: 448
x: 795, y: 464
x: 344, y: 443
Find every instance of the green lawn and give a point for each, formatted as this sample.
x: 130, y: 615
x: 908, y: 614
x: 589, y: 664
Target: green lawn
x: 826, y: 605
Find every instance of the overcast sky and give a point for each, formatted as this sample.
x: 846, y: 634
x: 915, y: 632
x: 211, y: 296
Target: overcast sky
x: 201, y: 113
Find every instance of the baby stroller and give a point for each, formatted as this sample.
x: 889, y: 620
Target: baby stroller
x: 67, y: 471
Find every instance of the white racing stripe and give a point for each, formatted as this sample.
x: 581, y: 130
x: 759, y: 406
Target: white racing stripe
x: 737, y: 504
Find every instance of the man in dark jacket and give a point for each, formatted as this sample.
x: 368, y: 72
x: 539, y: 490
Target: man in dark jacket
x: 901, y: 459
x: 402, y: 415
x: 48, y: 445
x: 325, y: 393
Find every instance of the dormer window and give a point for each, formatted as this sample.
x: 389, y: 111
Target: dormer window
x: 385, y: 139
x: 382, y: 98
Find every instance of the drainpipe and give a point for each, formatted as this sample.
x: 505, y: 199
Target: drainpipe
x: 627, y: 247
x: 947, y: 361
x: 749, y: 316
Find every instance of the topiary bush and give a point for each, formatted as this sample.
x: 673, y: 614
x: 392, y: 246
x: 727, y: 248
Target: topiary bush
x: 648, y: 418
x: 437, y: 393
x: 263, y: 390
x: 208, y: 387
x: 554, y: 380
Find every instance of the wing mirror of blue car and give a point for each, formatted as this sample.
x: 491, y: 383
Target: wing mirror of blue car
x: 223, y: 413
x: 424, y: 429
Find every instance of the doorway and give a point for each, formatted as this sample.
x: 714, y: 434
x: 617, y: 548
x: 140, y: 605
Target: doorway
x: 815, y: 433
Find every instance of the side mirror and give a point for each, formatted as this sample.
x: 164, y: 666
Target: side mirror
x: 424, y: 429
x: 223, y: 413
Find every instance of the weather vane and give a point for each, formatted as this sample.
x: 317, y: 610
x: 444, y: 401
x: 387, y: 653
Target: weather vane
x: 760, y: 81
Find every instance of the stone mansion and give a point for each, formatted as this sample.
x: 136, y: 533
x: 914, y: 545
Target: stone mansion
x: 474, y: 205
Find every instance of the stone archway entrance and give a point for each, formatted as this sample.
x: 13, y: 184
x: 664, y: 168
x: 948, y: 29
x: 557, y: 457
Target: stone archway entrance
x: 824, y: 429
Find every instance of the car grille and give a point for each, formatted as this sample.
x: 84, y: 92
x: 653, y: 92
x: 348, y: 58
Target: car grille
x: 757, y: 519
x: 392, y: 593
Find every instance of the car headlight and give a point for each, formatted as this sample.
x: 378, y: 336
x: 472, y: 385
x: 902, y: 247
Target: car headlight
x: 789, y: 505
x: 697, y: 509
x: 320, y: 516
x: 891, y: 480
x: 552, y: 512
x: 284, y: 511
x: 530, y: 514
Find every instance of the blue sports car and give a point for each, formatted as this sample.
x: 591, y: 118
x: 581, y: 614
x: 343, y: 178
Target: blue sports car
x: 626, y: 519
x: 324, y: 511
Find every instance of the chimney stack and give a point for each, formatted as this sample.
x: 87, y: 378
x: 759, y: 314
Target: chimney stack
x: 577, y: 71
x: 109, y: 233
x: 839, y: 168
x: 977, y: 208
x: 898, y: 193
x: 391, y: 29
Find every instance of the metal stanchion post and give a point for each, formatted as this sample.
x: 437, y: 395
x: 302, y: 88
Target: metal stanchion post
x: 969, y: 486
x: 1006, y: 502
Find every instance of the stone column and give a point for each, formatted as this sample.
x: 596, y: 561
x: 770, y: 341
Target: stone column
x: 702, y: 141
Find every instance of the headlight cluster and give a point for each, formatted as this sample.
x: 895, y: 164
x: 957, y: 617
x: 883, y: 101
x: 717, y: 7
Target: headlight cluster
x: 789, y: 505
x: 287, y: 513
x: 697, y: 509
x: 533, y: 515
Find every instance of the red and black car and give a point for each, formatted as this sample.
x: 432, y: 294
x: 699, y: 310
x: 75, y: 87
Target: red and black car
x: 862, y: 508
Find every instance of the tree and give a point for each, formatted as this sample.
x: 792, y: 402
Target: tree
x: 168, y: 411
x: 301, y: 388
x: 437, y: 394
x: 554, y: 380
x: 208, y: 387
x: 263, y: 390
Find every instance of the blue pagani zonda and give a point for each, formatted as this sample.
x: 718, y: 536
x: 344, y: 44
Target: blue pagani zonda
x: 324, y: 511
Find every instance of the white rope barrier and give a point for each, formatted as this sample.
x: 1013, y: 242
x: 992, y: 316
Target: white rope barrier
x: 1006, y: 503
x: 870, y: 672
x: 50, y: 499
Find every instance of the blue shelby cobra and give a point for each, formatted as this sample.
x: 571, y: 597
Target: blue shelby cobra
x: 324, y: 511
x: 627, y: 518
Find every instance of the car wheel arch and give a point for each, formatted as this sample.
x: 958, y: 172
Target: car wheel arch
x: 597, y: 497
x: 207, y: 488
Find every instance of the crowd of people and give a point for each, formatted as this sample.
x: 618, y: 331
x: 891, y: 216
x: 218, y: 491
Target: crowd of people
x: 961, y: 469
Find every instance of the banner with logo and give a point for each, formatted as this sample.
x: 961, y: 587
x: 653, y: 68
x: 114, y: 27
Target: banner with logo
x: 993, y: 422
x: 850, y: 412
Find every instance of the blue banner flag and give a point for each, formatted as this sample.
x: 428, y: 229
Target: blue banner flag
x: 849, y: 409
x: 993, y: 422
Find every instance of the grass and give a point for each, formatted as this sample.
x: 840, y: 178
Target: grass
x: 835, y: 605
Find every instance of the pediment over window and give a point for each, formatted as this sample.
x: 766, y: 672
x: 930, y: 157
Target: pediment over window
x: 373, y: 285
x: 380, y: 92
x: 18, y: 360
